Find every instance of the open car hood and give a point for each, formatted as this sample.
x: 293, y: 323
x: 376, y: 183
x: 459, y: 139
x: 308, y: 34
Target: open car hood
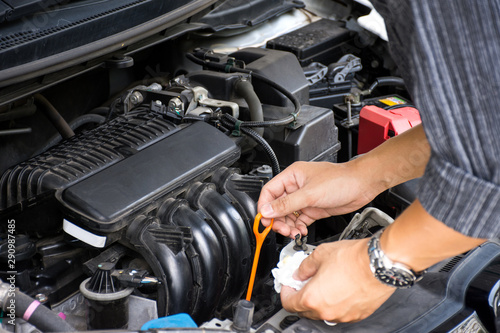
x: 60, y: 36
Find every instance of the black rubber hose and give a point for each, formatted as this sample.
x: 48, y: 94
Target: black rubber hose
x: 20, y: 112
x: 245, y: 89
x: 230, y: 121
x: 278, y: 122
x: 89, y: 118
x: 101, y: 110
x: 387, y: 81
x: 39, y: 316
x: 74, y: 124
x: 54, y: 117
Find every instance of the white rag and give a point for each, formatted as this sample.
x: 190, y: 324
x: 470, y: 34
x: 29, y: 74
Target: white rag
x: 284, y: 272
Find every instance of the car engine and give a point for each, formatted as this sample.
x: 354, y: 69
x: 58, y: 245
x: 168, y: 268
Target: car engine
x: 129, y: 189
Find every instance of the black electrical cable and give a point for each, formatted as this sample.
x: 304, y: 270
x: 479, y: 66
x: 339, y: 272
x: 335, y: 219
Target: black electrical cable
x: 15, y: 131
x: 193, y: 118
x: 112, y: 108
x: 349, y: 144
x: 278, y: 122
x: 39, y: 315
x: 267, y: 148
x: 230, y: 121
x: 386, y: 81
x: 399, y: 106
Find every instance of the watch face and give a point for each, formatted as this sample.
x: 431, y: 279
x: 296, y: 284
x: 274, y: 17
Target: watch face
x: 395, y: 277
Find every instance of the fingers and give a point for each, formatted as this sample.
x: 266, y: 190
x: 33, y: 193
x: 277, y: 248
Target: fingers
x: 290, y: 299
x: 341, y: 286
x: 282, y: 184
x: 283, y: 196
x: 301, y: 227
x: 284, y: 205
x: 287, y: 226
x: 293, y: 301
x: 308, y: 268
x: 282, y: 228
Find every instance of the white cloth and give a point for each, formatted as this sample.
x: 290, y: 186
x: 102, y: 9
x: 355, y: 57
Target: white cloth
x: 284, y: 272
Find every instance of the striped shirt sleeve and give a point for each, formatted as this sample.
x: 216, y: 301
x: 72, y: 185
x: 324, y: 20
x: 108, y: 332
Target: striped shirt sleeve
x: 448, y: 52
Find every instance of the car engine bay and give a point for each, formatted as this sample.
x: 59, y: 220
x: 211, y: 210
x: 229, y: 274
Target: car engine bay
x: 129, y: 188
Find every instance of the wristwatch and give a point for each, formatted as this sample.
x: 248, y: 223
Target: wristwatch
x: 387, y: 271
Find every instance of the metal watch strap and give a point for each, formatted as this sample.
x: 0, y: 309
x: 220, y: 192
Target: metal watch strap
x: 379, y: 262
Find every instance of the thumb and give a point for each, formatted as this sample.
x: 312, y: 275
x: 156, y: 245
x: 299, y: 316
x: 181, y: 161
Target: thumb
x: 283, y: 206
x: 307, y: 269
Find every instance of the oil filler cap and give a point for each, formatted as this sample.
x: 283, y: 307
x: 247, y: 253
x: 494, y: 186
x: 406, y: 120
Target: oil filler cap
x: 106, y: 299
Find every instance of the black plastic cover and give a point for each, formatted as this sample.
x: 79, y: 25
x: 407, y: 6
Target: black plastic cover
x: 19, y: 8
x: 234, y: 14
x: 319, y: 41
x: 79, y: 157
x: 54, y: 30
x: 4, y: 11
x: 107, y: 200
x: 314, y: 137
x: 282, y: 67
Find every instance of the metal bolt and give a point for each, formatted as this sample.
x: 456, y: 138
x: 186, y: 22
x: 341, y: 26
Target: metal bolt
x: 265, y: 170
x: 154, y: 87
x: 349, y: 113
x: 42, y: 298
x: 136, y: 98
x: 175, y: 105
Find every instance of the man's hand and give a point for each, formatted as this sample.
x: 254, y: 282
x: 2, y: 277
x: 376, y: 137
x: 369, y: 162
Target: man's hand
x: 342, y: 287
x: 316, y: 190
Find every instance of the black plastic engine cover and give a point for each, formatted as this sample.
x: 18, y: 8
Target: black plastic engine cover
x: 110, y: 199
x: 301, y: 142
x: 320, y: 41
x: 80, y: 157
x: 282, y: 67
x: 27, y: 190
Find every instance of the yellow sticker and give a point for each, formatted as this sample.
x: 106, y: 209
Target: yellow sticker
x: 390, y: 101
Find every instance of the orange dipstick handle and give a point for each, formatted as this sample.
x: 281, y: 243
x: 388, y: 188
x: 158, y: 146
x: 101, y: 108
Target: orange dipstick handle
x: 259, y: 241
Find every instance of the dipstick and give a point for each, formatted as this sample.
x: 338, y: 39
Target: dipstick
x: 259, y: 237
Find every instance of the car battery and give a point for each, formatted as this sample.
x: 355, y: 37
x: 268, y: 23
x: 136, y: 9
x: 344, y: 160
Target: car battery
x: 387, y: 117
